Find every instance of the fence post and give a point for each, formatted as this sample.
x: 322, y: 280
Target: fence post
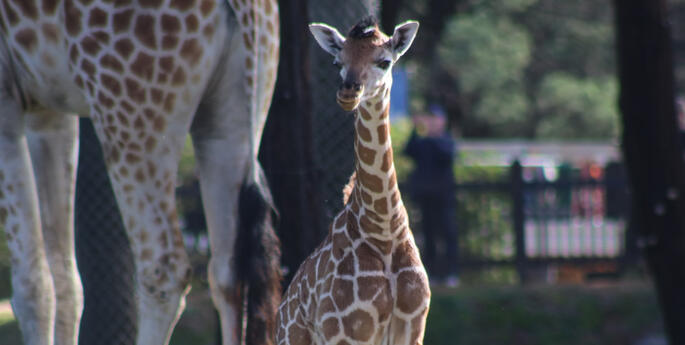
x: 516, y: 180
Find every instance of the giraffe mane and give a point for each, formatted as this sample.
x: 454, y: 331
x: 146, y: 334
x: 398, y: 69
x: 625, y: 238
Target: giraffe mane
x: 349, y: 188
x: 365, y: 28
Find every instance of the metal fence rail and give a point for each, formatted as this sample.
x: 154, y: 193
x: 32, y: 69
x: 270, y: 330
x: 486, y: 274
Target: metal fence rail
x: 529, y: 223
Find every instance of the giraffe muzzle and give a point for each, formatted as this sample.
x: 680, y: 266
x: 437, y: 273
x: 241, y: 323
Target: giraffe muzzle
x: 349, y: 99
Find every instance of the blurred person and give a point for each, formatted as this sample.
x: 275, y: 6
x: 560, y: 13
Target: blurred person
x: 432, y: 187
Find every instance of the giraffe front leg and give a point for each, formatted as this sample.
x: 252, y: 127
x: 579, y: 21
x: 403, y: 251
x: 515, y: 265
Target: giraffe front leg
x: 33, y: 295
x: 143, y: 174
x: 52, y: 143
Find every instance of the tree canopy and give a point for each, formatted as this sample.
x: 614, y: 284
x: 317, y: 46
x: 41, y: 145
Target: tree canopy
x: 523, y: 68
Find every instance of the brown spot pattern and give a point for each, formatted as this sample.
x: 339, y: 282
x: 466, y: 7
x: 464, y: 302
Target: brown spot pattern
x: 110, y: 61
x: 90, y: 45
x: 49, y: 6
x: 298, y: 335
x: 346, y: 266
x: 27, y: 38
x: 343, y: 293
x: 170, y: 24
x: 111, y: 83
x: 412, y: 290
x: 134, y: 90
x: 358, y: 325
x: 121, y: 21
x: 124, y: 47
x: 191, y: 51
x: 387, y: 160
x: 366, y: 155
x: 330, y: 327
x: 402, y: 257
x: 144, y: 31
x: 191, y: 23
x: 369, y: 226
x: 28, y: 8
x: 97, y: 17
x: 143, y: 66
x: 381, y: 205
x: 372, y: 182
x: 150, y: 3
x: 363, y: 132
x: 382, y: 133
x: 369, y: 260
x: 182, y: 5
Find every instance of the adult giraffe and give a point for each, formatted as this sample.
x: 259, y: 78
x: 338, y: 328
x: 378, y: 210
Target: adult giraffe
x: 147, y: 72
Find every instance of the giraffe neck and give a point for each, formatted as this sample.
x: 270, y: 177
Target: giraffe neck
x: 376, y: 198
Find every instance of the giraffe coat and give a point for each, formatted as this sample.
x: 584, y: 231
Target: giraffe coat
x: 148, y: 73
x: 365, y: 283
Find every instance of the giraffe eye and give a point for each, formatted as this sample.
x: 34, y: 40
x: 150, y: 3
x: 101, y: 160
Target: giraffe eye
x: 384, y: 64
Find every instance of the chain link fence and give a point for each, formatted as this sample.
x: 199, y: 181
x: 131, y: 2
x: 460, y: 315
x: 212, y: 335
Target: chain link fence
x: 333, y: 128
x: 102, y: 250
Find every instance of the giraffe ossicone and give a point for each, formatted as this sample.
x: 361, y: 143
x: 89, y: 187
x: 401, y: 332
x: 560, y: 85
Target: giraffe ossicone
x: 147, y: 72
x: 365, y: 283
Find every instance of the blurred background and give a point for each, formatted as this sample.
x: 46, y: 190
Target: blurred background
x: 563, y: 217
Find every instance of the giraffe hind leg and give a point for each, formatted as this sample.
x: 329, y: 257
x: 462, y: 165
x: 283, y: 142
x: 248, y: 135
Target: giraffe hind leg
x: 52, y: 143
x: 222, y: 173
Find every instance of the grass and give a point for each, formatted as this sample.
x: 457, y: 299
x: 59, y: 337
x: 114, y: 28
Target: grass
x: 543, y: 315
x: 617, y: 314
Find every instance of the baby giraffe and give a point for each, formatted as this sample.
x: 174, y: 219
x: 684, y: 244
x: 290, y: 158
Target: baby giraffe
x: 365, y: 284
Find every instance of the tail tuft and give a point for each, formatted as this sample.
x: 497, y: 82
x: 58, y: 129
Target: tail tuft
x: 257, y: 263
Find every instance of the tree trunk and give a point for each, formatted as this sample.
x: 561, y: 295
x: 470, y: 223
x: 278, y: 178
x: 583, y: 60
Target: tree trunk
x: 388, y: 15
x: 653, y: 155
x: 286, y: 151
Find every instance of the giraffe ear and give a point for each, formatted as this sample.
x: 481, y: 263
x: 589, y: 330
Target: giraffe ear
x: 328, y: 37
x: 403, y: 37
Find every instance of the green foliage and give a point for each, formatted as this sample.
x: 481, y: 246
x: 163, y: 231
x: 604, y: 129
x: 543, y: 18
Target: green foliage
x: 5, y: 272
x: 525, y: 68
x: 588, y: 104
x: 400, y: 131
x: 484, y: 51
x: 186, y: 166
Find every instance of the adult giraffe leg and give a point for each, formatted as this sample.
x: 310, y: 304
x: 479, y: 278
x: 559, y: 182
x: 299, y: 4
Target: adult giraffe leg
x: 221, y: 175
x: 33, y: 294
x: 142, y: 165
x: 244, y: 264
x: 221, y: 135
x: 52, y: 140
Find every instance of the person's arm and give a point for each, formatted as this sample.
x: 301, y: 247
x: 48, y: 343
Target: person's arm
x: 445, y: 147
x: 412, y: 147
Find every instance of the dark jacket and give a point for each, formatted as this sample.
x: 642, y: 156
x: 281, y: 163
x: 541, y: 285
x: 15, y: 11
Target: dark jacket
x: 434, y: 158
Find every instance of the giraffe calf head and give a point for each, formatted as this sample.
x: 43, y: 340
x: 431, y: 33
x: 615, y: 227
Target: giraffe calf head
x: 365, y: 57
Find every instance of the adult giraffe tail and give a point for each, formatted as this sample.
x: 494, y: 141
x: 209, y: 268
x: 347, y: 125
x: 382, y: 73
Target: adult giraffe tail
x: 257, y: 259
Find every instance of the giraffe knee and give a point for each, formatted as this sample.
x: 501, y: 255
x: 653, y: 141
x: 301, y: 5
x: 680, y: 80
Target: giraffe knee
x: 167, y: 277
